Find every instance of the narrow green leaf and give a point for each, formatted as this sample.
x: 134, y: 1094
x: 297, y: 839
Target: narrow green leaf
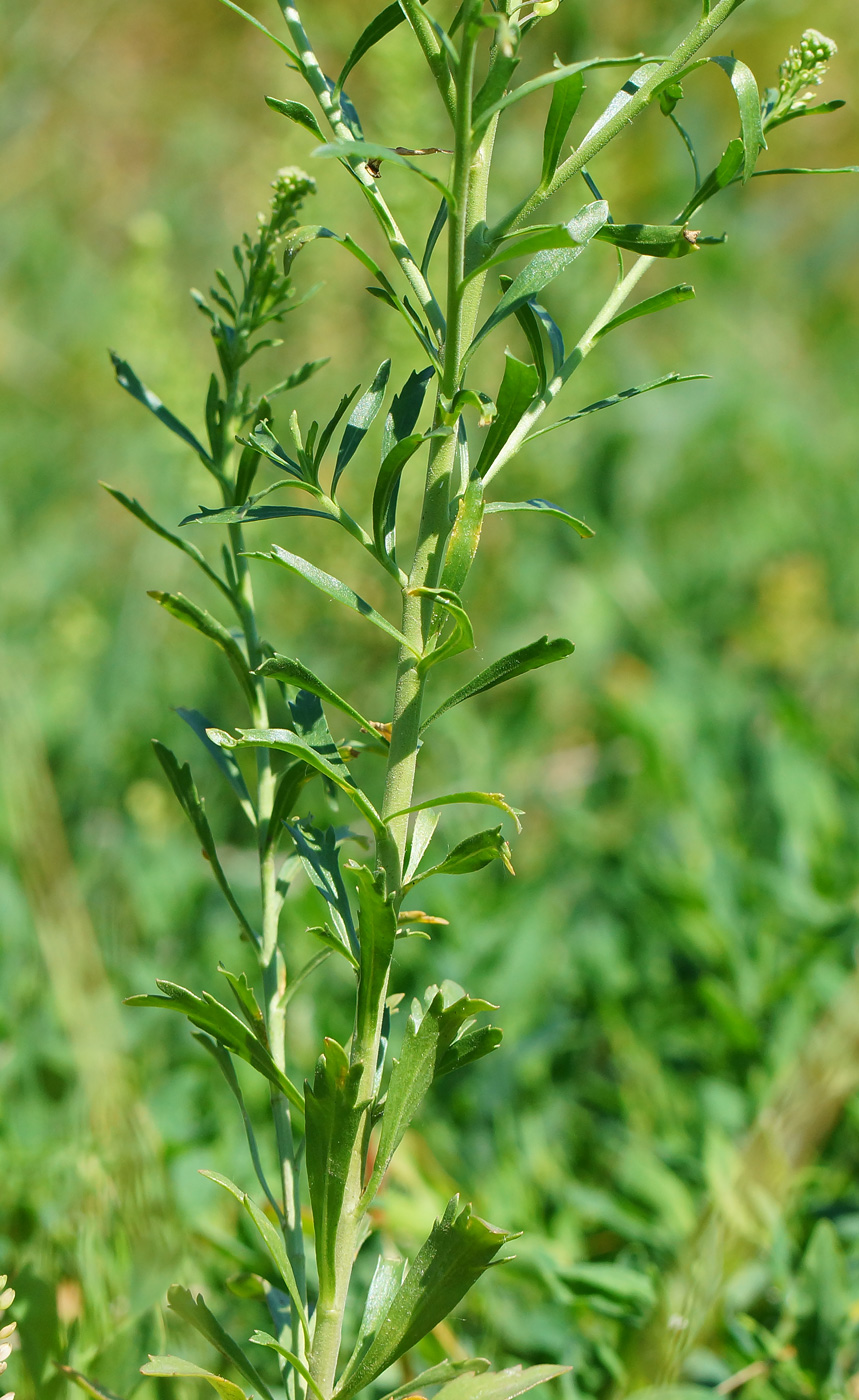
x: 284, y: 48
x: 724, y: 174
x: 515, y: 663
x: 194, y: 616
x: 272, y: 1240
x: 500, y: 1385
x: 405, y: 409
x: 289, y: 786
x: 362, y: 416
x: 247, y: 1002
x: 377, y: 932
x: 464, y: 538
x: 431, y: 1031
x: 301, y: 977
x: 613, y: 399
x: 422, y: 833
x: 809, y: 170
x: 461, y: 636
x: 319, y: 852
x: 546, y: 508
x: 459, y: 1249
x: 527, y: 242
x: 94, y: 1388
x: 298, y: 376
x: 207, y: 1014
x: 225, y: 761
x: 749, y: 102
x: 566, y: 96
x: 297, y: 112
x: 333, y: 587
x: 387, y: 1279
x: 197, y: 1315
x: 127, y: 379
x: 367, y: 151
x: 264, y: 1340
x: 518, y: 388
x: 472, y: 854
x: 545, y: 267
x: 653, y: 240
x: 283, y: 668
x: 478, y: 799
x: 329, y: 429
x: 175, y: 1366
x: 386, y: 491
x: 660, y: 302
x: 137, y: 510
x: 437, y: 1375
x: 333, y: 1116
x: 192, y: 805
x: 556, y: 75
x: 378, y: 27
x: 286, y: 741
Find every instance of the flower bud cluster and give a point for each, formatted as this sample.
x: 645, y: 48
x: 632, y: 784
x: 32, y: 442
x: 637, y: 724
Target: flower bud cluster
x: 7, y: 1298
x: 805, y: 66
x: 290, y: 187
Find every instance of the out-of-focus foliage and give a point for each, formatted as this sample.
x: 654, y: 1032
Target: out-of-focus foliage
x: 685, y: 904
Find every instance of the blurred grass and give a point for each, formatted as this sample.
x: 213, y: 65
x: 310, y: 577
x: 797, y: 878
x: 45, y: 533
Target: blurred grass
x: 685, y: 908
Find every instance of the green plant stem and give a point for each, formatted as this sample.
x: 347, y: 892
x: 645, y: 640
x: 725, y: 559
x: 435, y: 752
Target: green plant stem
x: 610, y: 308
x: 702, y: 32
x: 433, y: 52
x: 334, y: 116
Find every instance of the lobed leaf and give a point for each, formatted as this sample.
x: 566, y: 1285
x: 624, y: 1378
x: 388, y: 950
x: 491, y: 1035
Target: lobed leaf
x: 460, y: 1248
x: 377, y: 932
x: 332, y: 1115
x: 319, y: 853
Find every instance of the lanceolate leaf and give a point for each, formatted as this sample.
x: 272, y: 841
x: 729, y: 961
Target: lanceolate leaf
x: 137, y: 510
x: 405, y: 408
x: 566, y: 96
x: 460, y: 1248
x: 210, y: 1016
x: 386, y: 1280
x: 613, y: 399
x: 333, y: 1115
x: 175, y: 1366
x: 477, y: 799
x: 499, y: 1385
x: 286, y: 741
x: 194, y: 616
x: 432, y: 1030
x: 192, y: 805
x: 749, y: 102
x: 320, y: 856
x: 546, y: 508
x: 378, y: 27
x: 386, y: 491
x: 461, y: 636
x: 545, y: 267
x: 264, y: 1340
x: 194, y: 1311
x: 465, y: 536
x: 225, y: 761
x: 377, y: 932
x: 335, y: 589
x: 515, y: 663
x: 283, y: 668
x: 272, y: 1239
x: 519, y: 386
x: 128, y: 380
x: 237, y: 9
x: 297, y: 112
x: 362, y: 416
x: 654, y: 240
x: 527, y: 242
x: 726, y: 171
x: 660, y: 302
x: 556, y: 75
x: 471, y: 855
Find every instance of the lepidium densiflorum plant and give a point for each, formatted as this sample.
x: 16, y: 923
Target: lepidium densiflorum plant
x: 336, y: 1137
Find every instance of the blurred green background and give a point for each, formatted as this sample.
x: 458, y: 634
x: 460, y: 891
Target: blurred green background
x: 685, y: 911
